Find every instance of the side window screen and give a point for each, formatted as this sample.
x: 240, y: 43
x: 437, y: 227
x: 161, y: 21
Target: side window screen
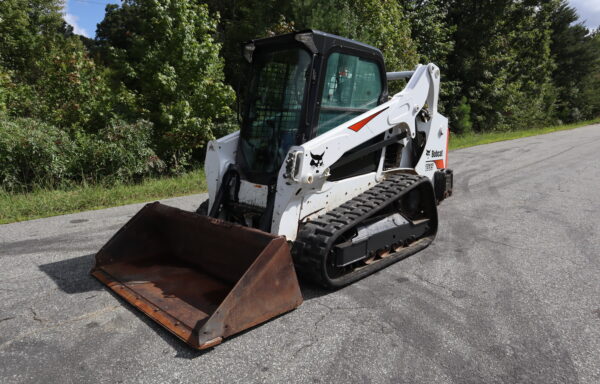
x: 274, y: 104
x: 352, y: 86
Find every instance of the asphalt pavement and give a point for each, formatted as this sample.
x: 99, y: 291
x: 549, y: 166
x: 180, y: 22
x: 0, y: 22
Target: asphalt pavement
x: 509, y: 292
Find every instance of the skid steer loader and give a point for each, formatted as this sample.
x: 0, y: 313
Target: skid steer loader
x: 328, y: 176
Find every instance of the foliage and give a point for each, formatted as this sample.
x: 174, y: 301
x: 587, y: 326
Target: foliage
x: 144, y: 96
x: 380, y: 23
x: 502, y: 60
x: 5, y: 83
x: 590, y: 100
x: 74, y: 92
x: 119, y: 152
x: 34, y: 153
x: 27, y: 29
x: 164, y: 52
x: 48, y: 74
x: 576, y: 53
x: 463, y: 117
x: 433, y: 35
x: 375, y: 22
x: 430, y: 29
x: 241, y: 21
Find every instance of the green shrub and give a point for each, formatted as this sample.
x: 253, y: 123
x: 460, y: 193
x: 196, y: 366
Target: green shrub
x: 118, y: 153
x: 32, y: 152
x: 36, y: 154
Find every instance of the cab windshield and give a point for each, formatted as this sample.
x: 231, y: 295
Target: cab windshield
x: 273, y: 109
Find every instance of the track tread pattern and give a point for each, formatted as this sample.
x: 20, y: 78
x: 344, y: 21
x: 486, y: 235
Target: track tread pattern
x: 316, y: 237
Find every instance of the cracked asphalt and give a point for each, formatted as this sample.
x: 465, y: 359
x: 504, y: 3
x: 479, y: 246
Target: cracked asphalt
x: 509, y: 292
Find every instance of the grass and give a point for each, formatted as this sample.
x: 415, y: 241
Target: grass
x: 470, y: 140
x: 45, y: 202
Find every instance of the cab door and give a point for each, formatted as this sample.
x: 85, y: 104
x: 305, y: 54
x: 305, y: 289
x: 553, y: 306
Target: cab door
x: 352, y: 85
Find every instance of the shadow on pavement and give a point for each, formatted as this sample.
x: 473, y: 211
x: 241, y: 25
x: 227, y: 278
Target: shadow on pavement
x: 73, y: 275
x: 312, y: 291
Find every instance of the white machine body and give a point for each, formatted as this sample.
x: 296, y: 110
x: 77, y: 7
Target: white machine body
x: 303, y: 190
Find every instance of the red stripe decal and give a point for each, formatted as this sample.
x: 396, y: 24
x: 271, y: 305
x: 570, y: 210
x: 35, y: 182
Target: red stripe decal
x: 358, y: 126
x: 439, y: 163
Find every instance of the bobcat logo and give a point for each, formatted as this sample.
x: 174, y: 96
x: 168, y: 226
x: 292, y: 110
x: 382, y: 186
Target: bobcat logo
x: 317, y: 160
x: 428, y: 152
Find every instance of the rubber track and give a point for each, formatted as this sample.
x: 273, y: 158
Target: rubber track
x: 317, y: 236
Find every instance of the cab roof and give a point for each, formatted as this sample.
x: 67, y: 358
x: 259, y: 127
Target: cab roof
x: 317, y: 42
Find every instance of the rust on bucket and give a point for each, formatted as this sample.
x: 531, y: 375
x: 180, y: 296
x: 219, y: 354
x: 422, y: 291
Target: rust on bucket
x: 201, y: 278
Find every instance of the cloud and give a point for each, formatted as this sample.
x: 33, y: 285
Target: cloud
x: 72, y: 20
x: 588, y: 11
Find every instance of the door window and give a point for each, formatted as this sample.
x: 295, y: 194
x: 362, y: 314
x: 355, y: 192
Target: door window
x: 274, y: 105
x: 352, y: 87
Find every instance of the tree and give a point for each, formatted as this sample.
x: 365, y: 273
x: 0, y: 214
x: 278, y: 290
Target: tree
x: 576, y: 53
x: 590, y: 94
x: 433, y: 36
x: 380, y: 23
x: 375, y: 22
x: 26, y: 26
x: 165, y: 53
x: 502, y: 60
x: 48, y: 74
x: 430, y: 29
x: 242, y: 20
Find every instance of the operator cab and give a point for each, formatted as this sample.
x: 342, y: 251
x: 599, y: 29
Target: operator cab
x: 302, y: 85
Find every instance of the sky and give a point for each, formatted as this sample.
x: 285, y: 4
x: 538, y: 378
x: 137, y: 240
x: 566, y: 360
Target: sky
x: 589, y: 11
x: 83, y: 15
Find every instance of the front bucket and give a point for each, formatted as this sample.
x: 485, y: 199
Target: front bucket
x: 201, y: 278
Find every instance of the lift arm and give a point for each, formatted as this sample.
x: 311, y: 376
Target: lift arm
x: 308, y: 163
